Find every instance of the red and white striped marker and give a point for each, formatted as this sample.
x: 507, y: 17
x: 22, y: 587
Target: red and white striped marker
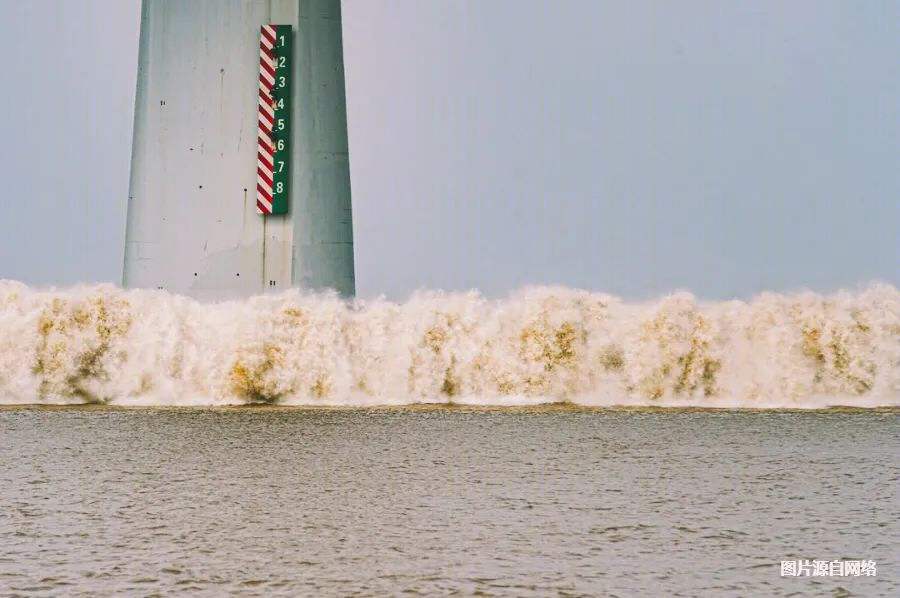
x: 266, y: 149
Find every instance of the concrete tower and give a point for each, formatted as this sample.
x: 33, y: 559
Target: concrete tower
x: 193, y: 223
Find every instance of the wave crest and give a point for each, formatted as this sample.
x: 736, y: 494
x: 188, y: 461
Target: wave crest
x: 102, y: 344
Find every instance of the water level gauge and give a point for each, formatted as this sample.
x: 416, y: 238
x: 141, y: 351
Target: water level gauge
x: 273, y: 156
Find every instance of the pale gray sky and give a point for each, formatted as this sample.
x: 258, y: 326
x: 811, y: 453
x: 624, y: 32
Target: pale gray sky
x: 724, y: 147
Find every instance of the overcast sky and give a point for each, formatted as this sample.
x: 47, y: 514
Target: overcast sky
x: 723, y: 147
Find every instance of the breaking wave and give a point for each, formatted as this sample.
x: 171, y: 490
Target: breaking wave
x: 102, y: 344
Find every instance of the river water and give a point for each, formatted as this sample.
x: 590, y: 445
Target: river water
x: 445, y: 501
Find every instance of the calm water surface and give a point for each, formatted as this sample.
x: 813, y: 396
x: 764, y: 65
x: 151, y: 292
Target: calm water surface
x: 444, y: 502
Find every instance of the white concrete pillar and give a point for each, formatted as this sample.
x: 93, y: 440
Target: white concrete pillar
x: 192, y: 225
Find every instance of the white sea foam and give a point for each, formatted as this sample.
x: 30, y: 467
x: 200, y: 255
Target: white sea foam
x: 135, y: 347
